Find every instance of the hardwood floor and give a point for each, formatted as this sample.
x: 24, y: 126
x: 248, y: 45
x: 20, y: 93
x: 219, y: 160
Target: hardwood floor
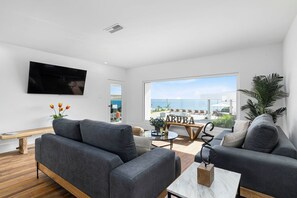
x: 18, y: 173
x: 18, y: 178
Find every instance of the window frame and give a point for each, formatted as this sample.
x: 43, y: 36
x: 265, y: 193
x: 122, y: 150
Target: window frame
x: 144, y: 82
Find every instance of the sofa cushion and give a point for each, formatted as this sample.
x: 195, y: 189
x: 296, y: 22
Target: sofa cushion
x: 67, y: 128
x: 117, y: 139
x: 262, y: 135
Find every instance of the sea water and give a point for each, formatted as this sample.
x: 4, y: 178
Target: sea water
x: 192, y: 104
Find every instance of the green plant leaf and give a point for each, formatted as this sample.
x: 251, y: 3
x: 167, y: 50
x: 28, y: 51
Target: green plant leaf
x: 266, y: 90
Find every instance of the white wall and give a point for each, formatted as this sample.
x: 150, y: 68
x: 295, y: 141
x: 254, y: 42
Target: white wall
x: 246, y: 63
x: 290, y: 72
x: 19, y: 110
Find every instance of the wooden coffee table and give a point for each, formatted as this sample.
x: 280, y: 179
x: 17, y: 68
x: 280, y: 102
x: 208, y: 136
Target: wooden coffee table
x: 170, y: 137
x: 225, y: 184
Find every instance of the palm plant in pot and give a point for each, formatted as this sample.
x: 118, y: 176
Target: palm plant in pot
x: 266, y: 90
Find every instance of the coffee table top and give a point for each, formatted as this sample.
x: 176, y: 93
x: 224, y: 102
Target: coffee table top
x: 171, y: 136
x: 225, y: 184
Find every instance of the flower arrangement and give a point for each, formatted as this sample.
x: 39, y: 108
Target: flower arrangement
x: 61, y: 110
x: 157, y: 122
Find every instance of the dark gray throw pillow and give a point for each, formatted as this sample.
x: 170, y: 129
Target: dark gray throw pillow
x: 114, y: 138
x: 67, y: 128
x: 262, y: 134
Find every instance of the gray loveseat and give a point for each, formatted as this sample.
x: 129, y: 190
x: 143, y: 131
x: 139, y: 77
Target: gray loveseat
x: 273, y: 172
x: 100, y: 159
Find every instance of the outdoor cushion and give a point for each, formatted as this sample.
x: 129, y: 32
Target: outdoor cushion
x: 262, y: 135
x: 67, y: 128
x: 114, y: 138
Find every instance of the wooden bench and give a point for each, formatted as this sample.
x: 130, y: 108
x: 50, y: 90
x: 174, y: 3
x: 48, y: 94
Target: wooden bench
x: 189, y: 127
x: 23, y: 137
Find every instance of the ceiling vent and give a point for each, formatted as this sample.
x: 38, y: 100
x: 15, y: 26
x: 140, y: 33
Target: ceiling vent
x: 114, y: 28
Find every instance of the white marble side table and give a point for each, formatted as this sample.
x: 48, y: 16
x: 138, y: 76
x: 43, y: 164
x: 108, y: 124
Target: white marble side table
x: 225, y: 184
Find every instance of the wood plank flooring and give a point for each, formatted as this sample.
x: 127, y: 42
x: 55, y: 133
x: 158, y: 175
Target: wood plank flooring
x: 18, y: 178
x: 18, y: 173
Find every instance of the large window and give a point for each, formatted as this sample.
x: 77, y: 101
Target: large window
x: 212, y: 98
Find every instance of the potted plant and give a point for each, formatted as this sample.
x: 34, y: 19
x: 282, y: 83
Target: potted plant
x: 158, y: 123
x: 266, y: 90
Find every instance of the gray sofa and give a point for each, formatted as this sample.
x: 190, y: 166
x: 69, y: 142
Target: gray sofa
x: 100, y: 159
x: 273, y: 172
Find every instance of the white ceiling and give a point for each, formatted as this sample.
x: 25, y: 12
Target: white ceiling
x: 155, y: 31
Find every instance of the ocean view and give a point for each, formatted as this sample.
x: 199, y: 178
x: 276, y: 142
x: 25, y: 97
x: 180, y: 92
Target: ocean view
x: 117, y: 102
x: 193, y: 104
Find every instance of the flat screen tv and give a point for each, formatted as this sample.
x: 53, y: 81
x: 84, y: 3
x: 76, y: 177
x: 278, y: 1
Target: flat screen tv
x: 52, y: 79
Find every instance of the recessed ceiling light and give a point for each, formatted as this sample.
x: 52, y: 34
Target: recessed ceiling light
x: 105, y: 62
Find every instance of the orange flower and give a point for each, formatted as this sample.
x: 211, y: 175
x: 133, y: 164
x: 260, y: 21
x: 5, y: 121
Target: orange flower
x: 68, y: 107
x: 52, y: 106
x: 60, y: 104
x: 61, y: 109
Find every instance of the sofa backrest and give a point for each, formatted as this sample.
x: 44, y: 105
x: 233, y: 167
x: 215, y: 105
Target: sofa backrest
x: 117, y: 139
x: 284, y: 146
x: 67, y: 128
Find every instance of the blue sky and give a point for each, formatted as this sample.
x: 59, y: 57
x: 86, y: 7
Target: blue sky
x: 193, y: 88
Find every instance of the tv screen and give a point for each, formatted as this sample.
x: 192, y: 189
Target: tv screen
x: 51, y: 79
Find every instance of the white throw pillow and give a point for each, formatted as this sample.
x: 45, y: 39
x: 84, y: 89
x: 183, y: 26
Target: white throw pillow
x: 236, y: 138
x: 241, y: 125
x: 143, y: 144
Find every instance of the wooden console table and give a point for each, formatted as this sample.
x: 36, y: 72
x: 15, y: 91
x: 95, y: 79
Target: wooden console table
x: 23, y: 136
x: 189, y: 127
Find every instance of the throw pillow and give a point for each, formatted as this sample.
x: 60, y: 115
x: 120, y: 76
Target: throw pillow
x: 137, y: 130
x: 241, y: 125
x: 235, y: 139
x: 117, y: 139
x: 262, y: 135
x: 67, y: 128
x: 143, y: 144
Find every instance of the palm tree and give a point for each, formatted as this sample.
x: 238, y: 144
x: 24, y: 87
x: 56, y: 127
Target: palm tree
x: 266, y: 90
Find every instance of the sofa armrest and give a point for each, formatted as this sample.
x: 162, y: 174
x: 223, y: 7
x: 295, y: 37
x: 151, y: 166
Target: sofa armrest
x: 145, y: 176
x: 263, y: 172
